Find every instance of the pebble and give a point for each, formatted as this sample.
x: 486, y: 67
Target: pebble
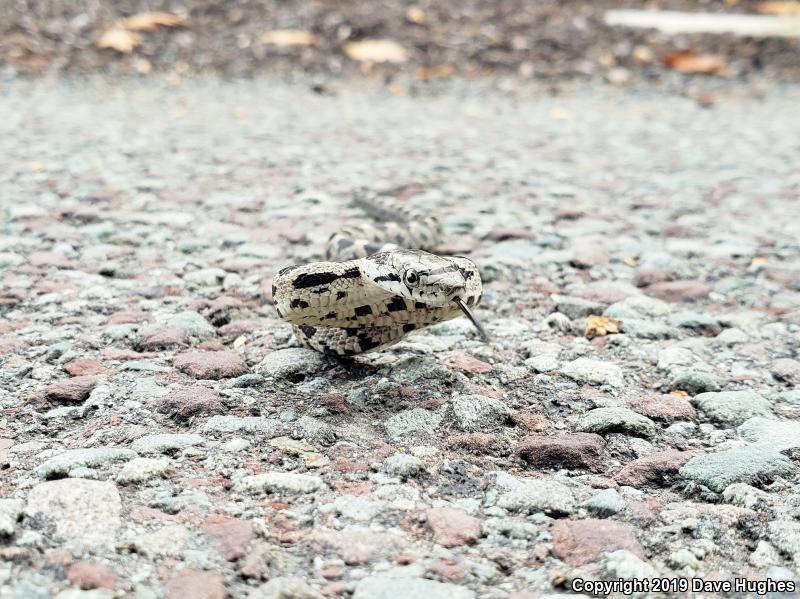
x: 627, y: 565
x: 693, y: 382
x: 386, y: 587
x: 166, y: 443
x: 452, y: 527
x: 192, y: 324
x: 70, y: 390
x: 91, y: 575
x: 745, y: 496
x: 579, y: 542
x: 605, y: 503
x: 679, y: 291
x: 477, y: 412
x: 62, y: 464
x: 594, y: 372
x: 780, y: 435
x: 140, y: 470
x: 785, y: 535
x: 402, y: 465
x: 285, y: 587
x: 211, y: 365
x: 569, y: 450
x: 243, y: 424
x: 728, y: 409
x: 10, y: 512
x: 747, y: 464
x: 196, y: 584
x: 529, y: 496
x: 663, y: 407
x: 609, y: 420
x: 83, y: 514
x: 413, y: 422
x: 287, y: 483
x: 660, y: 468
x: 190, y: 401
x: 288, y: 363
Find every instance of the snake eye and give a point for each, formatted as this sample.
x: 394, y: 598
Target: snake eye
x: 411, y: 277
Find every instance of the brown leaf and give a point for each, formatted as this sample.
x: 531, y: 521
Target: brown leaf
x: 376, y: 51
x: 414, y: 14
x: 119, y: 39
x: 600, y: 326
x: 779, y: 8
x: 288, y: 37
x: 689, y: 62
x: 148, y: 21
x: 437, y: 72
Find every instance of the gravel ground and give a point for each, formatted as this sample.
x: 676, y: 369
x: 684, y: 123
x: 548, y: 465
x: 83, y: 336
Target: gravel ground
x: 162, y: 435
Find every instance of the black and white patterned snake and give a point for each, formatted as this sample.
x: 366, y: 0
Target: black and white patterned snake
x: 377, y: 284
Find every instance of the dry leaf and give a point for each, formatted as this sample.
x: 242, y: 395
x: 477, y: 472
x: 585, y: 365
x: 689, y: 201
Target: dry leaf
x: 288, y: 37
x: 630, y: 261
x: 376, y: 51
x: 437, y: 72
x: 689, y: 62
x: 119, y: 39
x: 148, y: 21
x: 779, y: 8
x: 759, y: 261
x: 415, y: 14
x: 680, y: 393
x: 600, y: 326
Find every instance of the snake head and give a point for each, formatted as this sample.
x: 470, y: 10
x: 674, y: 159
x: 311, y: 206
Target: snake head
x: 424, y: 278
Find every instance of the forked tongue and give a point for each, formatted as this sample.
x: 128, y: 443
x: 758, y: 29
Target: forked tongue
x: 468, y: 313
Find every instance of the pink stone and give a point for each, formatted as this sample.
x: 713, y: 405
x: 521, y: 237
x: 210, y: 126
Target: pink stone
x: 163, y: 338
x: 579, y: 542
x: 70, y: 390
x: 657, y: 468
x: 468, y: 364
x: 663, y: 407
x: 191, y: 401
x: 91, y: 575
x: 609, y: 292
x: 84, y: 367
x: 679, y: 291
x: 361, y: 546
x: 211, y: 364
x: 231, y: 537
x: 196, y: 584
x: 568, y: 450
x: 452, y: 527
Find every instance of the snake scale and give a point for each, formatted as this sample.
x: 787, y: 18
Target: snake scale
x: 378, y: 283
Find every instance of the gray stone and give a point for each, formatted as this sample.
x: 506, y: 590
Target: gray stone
x: 638, y: 306
x: 402, y: 465
x: 284, y: 587
x: 605, y: 503
x: 746, y: 496
x: 544, y: 363
x: 387, y: 587
x: 731, y: 408
x: 167, y: 541
x: 594, y: 372
x: 361, y: 509
x: 732, y: 336
x: 139, y: 470
x: 790, y: 398
x: 82, y: 514
x: 10, y: 511
x: 246, y: 380
x: 286, y: 483
x: 478, y: 412
x: 60, y: 465
x: 166, y: 443
x: 777, y: 434
x: 693, y: 320
x: 88, y: 594
x: 647, y: 329
x: 172, y: 504
x: 291, y: 362
x: 529, y: 496
x: 313, y: 430
x: 627, y: 565
x: 413, y: 422
x: 785, y: 535
x: 692, y: 381
x: 608, y: 420
x: 576, y: 307
x: 674, y: 355
x: 749, y: 464
x: 243, y: 424
x: 193, y: 324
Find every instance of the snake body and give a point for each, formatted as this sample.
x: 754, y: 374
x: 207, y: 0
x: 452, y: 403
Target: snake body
x: 377, y: 284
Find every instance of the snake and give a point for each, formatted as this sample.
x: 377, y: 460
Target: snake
x: 378, y: 282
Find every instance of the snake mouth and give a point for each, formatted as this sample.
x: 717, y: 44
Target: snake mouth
x: 468, y: 313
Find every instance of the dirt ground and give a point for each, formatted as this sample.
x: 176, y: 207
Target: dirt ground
x: 542, y: 39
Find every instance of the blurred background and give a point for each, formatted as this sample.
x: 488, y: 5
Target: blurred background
x: 426, y: 39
